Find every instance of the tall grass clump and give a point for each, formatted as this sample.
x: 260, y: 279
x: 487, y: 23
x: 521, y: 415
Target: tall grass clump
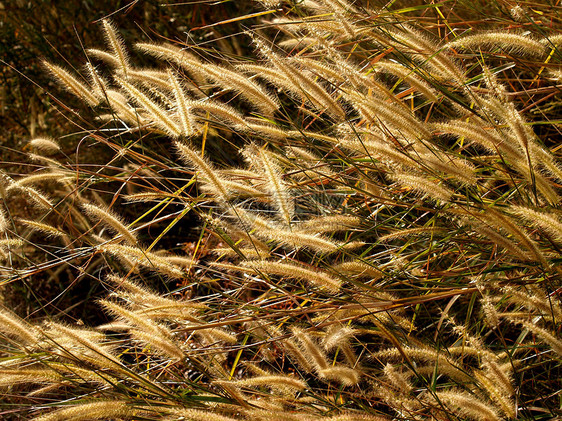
x: 378, y: 200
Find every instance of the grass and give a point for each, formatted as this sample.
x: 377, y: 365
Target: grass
x: 355, y: 218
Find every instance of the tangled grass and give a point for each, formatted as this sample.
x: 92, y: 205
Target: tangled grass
x: 385, y: 244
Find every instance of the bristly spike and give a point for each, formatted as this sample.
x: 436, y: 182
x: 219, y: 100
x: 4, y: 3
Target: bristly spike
x: 14, y: 325
x: 72, y: 84
x: 514, y: 43
x: 311, y: 349
x: 209, y: 173
x: 182, y: 104
x: 160, y: 116
x: 468, y: 406
x: 254, y: 93
x: 96, y: 410
x: 548, y: 222
x: 424, y: 185
x: 45, y: 145
x: 110, y: 220
x: 138, y: 256
x: 117, y: 46
x: 302, y: 84
x: 277, y: 187
x: 289, y: 270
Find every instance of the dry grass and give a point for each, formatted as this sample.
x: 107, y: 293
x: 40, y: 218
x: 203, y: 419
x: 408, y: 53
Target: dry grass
x: 385, y: 244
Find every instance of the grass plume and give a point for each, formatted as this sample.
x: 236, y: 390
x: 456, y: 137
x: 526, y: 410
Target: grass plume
x: 353, y: 217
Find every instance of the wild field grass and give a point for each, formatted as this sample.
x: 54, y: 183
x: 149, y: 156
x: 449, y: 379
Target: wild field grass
x: 346, y: 211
